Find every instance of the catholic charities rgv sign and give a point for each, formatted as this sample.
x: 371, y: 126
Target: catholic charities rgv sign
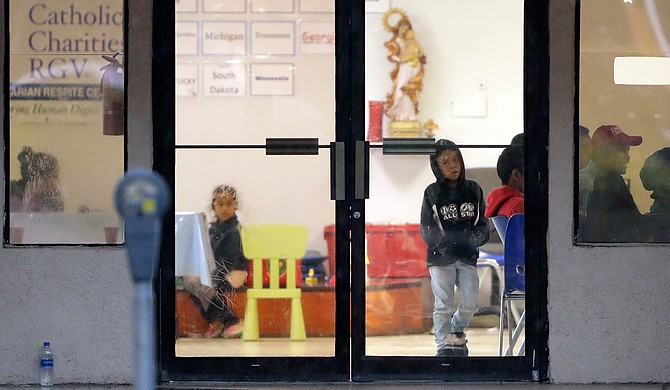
x: 56, y: 50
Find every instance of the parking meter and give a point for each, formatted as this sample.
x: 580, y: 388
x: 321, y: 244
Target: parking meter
x: 142, y: 198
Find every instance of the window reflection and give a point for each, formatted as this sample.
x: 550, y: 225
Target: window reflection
x: 623, y: 100
x: 66, y: 121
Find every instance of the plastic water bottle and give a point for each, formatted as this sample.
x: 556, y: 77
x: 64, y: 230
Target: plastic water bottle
x: 46, y: 365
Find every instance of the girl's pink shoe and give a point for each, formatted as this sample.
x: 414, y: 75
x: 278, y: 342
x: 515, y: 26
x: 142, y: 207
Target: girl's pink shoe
x: 234, y: 330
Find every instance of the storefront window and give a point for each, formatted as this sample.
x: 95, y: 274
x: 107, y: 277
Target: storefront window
x: 623, y: 185
x: 66, y: 121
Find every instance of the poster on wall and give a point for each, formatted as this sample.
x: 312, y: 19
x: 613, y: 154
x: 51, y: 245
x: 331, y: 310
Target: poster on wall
x: 317, y: 37
x: 274, y: 79
x: 316, y: 6
x: 224, y: 38
x: 272, y: 38
x: 55, y: 70
x: 186, y: 38
x: 186, y: 80
x: 185, y: 6
x: 224, y: 6
x: 272, y: 6
x: 224, y: 80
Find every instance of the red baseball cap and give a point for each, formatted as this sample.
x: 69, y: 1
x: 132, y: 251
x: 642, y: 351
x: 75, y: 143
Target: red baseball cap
x: 612, y: 134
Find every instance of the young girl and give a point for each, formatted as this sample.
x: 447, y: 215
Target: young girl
x: 231, y: 266
x: 453, y: 226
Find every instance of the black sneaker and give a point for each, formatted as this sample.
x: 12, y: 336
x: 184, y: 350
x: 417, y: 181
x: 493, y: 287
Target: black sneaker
x: 453, y: 351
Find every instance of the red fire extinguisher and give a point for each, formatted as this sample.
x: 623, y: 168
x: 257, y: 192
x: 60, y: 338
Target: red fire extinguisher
x: 111, y: 86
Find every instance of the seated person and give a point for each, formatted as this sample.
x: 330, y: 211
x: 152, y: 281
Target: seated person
x: 655, y: 176
x: 584, y: 146
x: 610, y: 213
x: 508, y: 199
x: 231, y: 267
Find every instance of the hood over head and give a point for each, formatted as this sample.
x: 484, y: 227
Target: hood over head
x: 440, y: 146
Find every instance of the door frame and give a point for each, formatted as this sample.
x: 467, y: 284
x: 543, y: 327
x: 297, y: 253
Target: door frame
x: 350, y: 127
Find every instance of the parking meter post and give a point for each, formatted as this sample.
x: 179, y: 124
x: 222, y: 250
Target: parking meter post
x: 142, y: 198
x: 144, y: 370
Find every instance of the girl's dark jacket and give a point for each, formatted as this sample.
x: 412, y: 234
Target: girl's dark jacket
x: 453, y: 225
x: 227, y: 245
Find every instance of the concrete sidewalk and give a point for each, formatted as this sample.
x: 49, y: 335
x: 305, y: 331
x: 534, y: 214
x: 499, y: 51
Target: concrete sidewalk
x: 363, y: 386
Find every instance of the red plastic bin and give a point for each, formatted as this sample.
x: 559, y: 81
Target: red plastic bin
x: 396, y: 251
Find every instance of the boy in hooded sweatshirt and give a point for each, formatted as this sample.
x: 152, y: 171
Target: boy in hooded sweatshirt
x: 508, y: 199
x: 453, y: 227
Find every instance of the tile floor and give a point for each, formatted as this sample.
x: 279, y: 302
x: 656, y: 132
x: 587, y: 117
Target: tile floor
x: 483, y: 341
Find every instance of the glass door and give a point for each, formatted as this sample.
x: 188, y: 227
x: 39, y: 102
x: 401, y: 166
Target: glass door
x: 256, y: 153
x: 437, y: 291
x: 282, y: 123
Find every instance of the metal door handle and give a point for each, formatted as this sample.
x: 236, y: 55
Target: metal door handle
x: 361, y: 182
x: 291, y: 146
x: 337, y: 191
x: 409, y: 146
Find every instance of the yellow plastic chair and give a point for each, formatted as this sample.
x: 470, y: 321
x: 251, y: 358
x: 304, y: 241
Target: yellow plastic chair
x: 274, y: 242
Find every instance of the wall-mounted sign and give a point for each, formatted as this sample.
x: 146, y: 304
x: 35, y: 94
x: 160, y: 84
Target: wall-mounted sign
x: 223, y: 80
x: 227, y: 38
x: 317, y: 6
x: 186, y: 38
x: 317, y: 37
x: 185, y: 6
x: 229, y: 6
x: 272, y: 79
x: 285, y: 6
x: 186, y: 80
x: 55, y: 103
x: 272, y: 38
x: 56, y: 50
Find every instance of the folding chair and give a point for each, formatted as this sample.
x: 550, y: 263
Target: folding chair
x: 514, y: 283
x: 500, y: 222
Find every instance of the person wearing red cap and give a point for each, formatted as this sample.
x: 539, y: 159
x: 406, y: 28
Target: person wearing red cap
x: 605, y: 201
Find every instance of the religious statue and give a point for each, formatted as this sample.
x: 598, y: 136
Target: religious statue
x: 405, y: 52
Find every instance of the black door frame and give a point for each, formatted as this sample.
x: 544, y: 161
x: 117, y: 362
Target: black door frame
x: 350, y: 217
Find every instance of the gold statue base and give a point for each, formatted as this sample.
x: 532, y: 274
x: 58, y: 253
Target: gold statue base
x: 405, y: 129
